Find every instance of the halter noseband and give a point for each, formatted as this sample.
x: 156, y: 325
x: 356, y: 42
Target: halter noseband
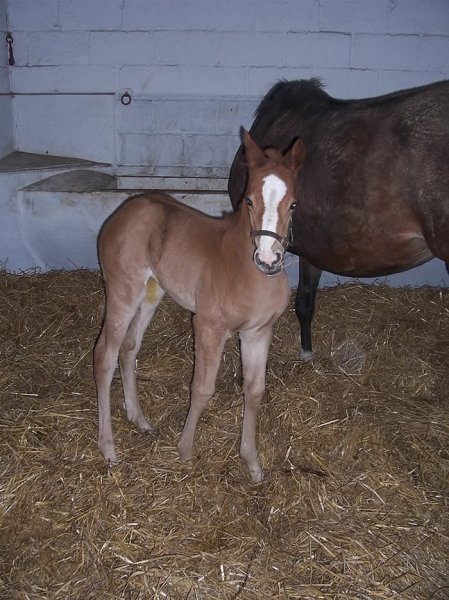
x: 284, y: 241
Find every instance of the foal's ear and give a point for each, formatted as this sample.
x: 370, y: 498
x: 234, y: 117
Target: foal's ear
x: 295, y: 157
x: 253, y: 154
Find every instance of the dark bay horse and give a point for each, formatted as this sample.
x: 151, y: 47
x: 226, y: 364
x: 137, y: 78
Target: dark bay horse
x: 227, y: 271
x: 375, y: 183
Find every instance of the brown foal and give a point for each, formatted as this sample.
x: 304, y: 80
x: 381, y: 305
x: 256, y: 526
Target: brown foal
x: 220, y: 269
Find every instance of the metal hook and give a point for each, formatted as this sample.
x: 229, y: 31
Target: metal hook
x: 9, y: 41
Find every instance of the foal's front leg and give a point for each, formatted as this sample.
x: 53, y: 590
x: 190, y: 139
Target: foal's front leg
x: 254, y: 348
x: 209, y: 343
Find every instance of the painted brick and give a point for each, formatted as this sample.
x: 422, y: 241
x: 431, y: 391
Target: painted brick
x: 153, y: 150
x: 3, y: 53
x: 184, y: 115
x: 303, y: 15
x: 5, y: 86
x: 272, y: 16
x: 218, y: 15
x: 433, y: 52
x: 78, y: 126
x: 385, y: 51
x: 137, y: 117
x: 261, y: 79
x: 186, y: 48
x: 211, y: 150
x: 23, y: 16
x: 363, y: 83
x: 318, y: 50
x: 151, y: 16
x: 151, y: 80
x: 213, y: 81
x: 354, y: 15
x: 118, y: 48
x: 6, y: 130
x: 183, y: 15
x: 349, y: 83
x: 34, y: 79
x: 416, y: 16
x: 57, y: 48
x: 240, y: 49
x: 233, y: 114
x: 390, y: 81
x: 87, y: 15
x: 69, y: 78
x: 87, y: 79
x: 336, y: 82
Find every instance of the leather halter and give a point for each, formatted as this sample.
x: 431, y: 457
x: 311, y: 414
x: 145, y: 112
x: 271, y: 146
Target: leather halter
x: 284, y: 241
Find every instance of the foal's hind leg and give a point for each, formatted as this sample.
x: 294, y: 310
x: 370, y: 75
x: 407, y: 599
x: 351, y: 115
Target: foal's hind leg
x: 209, y: 343
x: 118, y: 316
x: 254, y: 348
x: 130, y: 348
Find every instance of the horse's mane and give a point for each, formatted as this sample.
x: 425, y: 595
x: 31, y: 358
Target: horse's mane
x: 307, y: 98
x: 287, y: 95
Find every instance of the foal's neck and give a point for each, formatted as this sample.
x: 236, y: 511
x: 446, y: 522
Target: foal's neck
x: 239, y: 228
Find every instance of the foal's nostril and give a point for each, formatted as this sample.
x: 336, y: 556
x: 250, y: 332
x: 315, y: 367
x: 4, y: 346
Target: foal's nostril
x: 265, y: 267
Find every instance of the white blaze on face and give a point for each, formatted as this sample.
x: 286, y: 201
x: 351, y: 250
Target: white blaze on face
x: 273, y: 191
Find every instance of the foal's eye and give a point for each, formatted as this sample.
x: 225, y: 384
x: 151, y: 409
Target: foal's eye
x: 293, y: 206
x: 248, y: 201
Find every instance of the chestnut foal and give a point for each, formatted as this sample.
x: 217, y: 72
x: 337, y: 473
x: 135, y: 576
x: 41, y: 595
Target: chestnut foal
x: 217, y: 268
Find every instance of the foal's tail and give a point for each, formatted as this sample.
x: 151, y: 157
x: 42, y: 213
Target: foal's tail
x: 447, y: 267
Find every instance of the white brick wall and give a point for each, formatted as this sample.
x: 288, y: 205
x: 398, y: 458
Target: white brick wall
x: 196, y: 69
x: 6, y: 117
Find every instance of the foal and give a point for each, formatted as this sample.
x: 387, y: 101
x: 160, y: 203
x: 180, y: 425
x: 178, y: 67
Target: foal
x: 218, y: 269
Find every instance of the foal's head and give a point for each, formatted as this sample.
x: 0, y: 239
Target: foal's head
x: 271, y: 198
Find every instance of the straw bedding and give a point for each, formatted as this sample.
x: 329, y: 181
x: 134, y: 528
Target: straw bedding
x: 354, y: 447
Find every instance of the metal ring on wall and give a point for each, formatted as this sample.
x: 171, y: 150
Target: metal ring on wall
x: 126, y: 99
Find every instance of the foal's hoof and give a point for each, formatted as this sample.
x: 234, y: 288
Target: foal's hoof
x: 256, y: 475
x: 108, y: 452
x: 142, y: 424
x: 185, y: 454
x: 306, y: 356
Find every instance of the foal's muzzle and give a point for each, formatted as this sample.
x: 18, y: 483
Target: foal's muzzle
x: 278, y: 248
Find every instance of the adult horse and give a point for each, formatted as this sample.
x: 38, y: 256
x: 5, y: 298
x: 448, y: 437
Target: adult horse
x: 375, y: 183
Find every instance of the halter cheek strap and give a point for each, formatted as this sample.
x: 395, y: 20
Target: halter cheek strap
x: 284, y: 241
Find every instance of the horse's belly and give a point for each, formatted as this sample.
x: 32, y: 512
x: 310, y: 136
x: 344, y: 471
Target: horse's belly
x: 365, y: 256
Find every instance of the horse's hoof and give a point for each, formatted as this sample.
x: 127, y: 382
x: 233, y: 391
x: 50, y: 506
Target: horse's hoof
x: 306, y: 356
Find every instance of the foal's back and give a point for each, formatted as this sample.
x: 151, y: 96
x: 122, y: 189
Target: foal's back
x: 204, y: 263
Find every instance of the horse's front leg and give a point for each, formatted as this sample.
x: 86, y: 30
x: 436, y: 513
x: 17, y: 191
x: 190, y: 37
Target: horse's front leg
x: 209, y: 343
x: 309, y: 277
x: 254, y: 347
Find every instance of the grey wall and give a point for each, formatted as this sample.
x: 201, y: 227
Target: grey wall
x: 196, y: 69
x: 6, y: 117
